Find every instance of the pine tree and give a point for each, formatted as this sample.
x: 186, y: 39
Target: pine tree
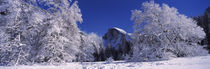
x: 203, y: 22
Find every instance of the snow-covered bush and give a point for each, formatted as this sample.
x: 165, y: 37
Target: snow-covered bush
x: 109, y: 60
x: 160, y: 32
x: 126, y: 57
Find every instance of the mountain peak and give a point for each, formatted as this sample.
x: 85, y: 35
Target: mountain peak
x: 116, y: 42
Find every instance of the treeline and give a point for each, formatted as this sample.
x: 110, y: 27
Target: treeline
x: 32, y: 34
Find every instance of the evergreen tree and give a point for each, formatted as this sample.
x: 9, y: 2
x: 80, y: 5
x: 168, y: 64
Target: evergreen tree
x: 203, y: 21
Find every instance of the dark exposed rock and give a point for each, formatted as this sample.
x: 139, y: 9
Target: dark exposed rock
x: 117, y: 43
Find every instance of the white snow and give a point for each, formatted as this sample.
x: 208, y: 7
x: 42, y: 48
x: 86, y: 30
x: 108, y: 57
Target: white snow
x: 201, y: 62
x: 121, y: 30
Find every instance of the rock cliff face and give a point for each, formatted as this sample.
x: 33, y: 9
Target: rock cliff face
x: 117, y: 43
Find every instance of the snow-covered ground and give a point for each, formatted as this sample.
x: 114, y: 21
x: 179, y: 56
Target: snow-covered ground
x: 202, y: 62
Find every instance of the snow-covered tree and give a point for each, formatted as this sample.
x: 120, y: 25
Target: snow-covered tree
x: 62, y: 40
x: 22, y: 26
x: 160, y: 32
x: 31, y: 34
x: 91, y: 45
x: 13, y: 51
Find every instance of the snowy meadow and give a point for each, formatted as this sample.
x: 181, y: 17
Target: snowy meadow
x: 178, y: 63
x: 44, y: 34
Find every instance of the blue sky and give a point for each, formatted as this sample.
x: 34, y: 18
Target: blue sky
x: 100, y: 15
